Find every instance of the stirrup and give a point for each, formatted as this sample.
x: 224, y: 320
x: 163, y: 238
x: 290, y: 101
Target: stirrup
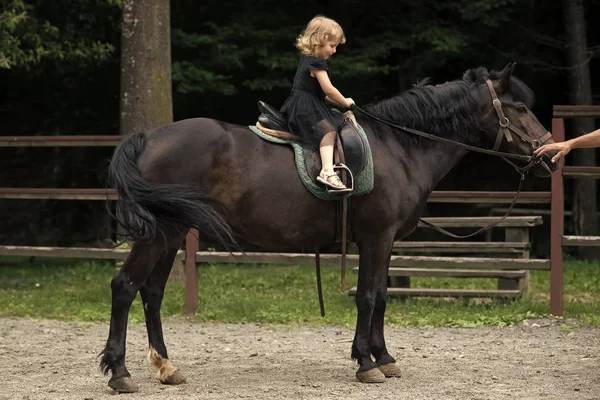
x: 350, y: 178
x: 331, y: 186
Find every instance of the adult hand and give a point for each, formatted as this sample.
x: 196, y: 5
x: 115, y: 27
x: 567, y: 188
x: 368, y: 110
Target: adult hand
x: 562, y: 149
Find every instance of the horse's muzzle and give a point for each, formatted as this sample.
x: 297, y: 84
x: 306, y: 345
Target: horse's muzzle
x: 545, y: 167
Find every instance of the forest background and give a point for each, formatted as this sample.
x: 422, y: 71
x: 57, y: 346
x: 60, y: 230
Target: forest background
x: 60, y: 75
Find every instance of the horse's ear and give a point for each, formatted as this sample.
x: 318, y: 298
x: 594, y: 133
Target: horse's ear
x: 505, y: 75
x: 470, y: 76
x: 476, y: 75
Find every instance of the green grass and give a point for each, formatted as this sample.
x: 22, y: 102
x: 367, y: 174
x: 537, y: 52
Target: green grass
x: 80, y: 291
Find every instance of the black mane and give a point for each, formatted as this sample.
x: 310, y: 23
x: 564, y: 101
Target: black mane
x: 440, y: 109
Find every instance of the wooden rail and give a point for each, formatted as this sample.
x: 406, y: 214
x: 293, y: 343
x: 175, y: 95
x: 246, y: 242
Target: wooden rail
x: 60, y: 141
x: 70, y: 252
x: 454, y: 273
x: 352, y: 260
x: 461, y: 247
x: 581, y: 240
x: 481, y: 197
x: 475, y: 293
x: 575, y: 172
x: 57, y: 194
x: 436, y: 197
x: 575, y: 111
x: 478, y: 222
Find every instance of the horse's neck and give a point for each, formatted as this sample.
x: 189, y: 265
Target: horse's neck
x: 433, y: 162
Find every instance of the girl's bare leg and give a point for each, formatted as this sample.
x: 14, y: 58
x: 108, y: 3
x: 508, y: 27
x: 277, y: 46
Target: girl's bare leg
x: 326, y: 150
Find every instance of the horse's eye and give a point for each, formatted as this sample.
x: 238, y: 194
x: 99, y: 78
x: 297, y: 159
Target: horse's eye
x: 522, y: 110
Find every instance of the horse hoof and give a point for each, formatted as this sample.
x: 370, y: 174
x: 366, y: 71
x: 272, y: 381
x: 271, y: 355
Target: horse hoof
x: 371, y: 376
x: 390, y: 370
x: 123, y: 385
x: 174, y: 379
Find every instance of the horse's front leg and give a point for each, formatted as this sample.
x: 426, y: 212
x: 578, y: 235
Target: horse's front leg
x: 372, y: 275
x: 385, y: 362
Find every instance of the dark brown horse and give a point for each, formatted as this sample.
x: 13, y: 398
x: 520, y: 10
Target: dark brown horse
x: 235, y: 187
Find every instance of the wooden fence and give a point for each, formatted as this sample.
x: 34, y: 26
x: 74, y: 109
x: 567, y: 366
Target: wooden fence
x: 192, y: 255
x: 557, y: 237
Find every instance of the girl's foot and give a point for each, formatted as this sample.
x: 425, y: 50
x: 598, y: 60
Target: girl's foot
x: 331, y: 180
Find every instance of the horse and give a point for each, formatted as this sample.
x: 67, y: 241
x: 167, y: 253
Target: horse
x: 235, y: 187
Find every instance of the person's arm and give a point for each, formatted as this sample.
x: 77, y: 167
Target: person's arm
x: 591, y: 139
x: 328, y: 100
x: 330, y: 91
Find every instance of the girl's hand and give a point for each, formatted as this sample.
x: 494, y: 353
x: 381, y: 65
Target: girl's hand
x: 349, y: 102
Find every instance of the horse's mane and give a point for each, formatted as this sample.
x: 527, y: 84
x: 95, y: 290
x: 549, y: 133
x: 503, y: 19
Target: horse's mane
x: 439, y: 109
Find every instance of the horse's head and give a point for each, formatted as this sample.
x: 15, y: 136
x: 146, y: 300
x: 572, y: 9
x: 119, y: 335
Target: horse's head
x: 508, y: 123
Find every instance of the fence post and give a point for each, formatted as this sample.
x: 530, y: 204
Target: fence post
x: 191, y: 273
x: 557, y: 226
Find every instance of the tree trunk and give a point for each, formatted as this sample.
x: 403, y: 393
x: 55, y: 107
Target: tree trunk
x: 146, y: 98
x: 580, y: 92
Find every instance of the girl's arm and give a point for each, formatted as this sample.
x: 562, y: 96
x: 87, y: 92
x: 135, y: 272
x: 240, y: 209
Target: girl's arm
x: 328, y: 100
x: 330, y: 91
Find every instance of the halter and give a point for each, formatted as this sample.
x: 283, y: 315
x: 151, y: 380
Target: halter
x: 503, y: 131
x: 505, y: 125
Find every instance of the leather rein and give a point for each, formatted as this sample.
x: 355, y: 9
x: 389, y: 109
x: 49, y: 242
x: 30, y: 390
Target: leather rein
x: 504, y: 131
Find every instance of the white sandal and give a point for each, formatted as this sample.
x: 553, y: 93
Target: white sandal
x: 334, y: 183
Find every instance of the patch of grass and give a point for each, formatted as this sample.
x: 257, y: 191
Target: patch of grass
x: 80, y: 291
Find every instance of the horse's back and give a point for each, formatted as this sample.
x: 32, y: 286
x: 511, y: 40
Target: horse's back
x: 198, y: 130
x: 190, y: 149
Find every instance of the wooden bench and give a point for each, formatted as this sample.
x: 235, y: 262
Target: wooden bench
x: 512, y: 273
x: 518, y: 248
x: 518, y: 277
x: 523, y: 221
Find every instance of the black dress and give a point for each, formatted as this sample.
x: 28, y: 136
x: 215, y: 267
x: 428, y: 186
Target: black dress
x: 309, y: 118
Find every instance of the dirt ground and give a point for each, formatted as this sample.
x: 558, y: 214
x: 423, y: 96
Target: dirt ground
x: 535, y: 360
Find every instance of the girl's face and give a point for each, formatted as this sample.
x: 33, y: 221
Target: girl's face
x: 328, y: 49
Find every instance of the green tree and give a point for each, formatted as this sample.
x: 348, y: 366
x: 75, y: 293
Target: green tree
x: 27, y: 39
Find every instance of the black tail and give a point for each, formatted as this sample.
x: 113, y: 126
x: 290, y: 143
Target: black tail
x: 146, y: 210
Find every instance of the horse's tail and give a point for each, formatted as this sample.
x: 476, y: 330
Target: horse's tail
x: 146, y: 210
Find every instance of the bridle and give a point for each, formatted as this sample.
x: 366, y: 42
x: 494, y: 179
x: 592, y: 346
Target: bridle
x: 505, y: 127
x: 504, y: 132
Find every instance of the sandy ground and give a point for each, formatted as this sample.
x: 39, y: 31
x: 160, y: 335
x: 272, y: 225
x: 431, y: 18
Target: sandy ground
x: 43, y: 359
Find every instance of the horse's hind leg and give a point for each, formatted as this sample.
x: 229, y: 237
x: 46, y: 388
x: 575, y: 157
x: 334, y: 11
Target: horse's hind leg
x: 152, y: 295
x: 125, y: 284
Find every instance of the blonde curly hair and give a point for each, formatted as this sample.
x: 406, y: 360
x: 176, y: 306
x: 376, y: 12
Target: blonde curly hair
x: 318, y: 31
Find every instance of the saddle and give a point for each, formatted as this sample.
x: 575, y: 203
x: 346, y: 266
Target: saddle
x: 349, y: 153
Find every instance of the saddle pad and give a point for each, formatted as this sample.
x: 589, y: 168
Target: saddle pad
x: 363, y: 182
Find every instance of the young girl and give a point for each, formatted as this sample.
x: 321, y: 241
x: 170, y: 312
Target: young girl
x: 310, y: 119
